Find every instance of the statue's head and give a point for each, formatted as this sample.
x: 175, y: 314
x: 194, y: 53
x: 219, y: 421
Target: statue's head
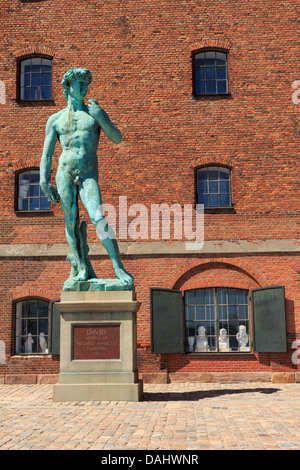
x: 73, y: 75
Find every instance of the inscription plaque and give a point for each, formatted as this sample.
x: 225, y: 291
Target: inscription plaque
x: 96, y: 342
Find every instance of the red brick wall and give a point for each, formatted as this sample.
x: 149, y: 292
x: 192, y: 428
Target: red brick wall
x: 139, y: 53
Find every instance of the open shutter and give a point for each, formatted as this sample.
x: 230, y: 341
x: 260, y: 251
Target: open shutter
x: 166, y: 321
x: 54, y: 328
x: 269, y: 322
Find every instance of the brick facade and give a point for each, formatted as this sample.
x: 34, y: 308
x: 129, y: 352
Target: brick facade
x: 140, y: 56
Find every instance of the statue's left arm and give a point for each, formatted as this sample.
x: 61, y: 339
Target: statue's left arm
x: 109, y: 129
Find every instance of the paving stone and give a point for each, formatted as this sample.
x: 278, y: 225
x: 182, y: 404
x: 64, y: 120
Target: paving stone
x: 176, y: 416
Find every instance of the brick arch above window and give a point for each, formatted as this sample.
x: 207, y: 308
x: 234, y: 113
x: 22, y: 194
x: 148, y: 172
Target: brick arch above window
x: 25, y: 293
x: 184, y: 272
x: 34, y: 50
x: 211, y: 43
x: 203, y: 161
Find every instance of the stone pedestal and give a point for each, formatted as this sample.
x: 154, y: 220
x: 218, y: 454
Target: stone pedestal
x: 98, y: 347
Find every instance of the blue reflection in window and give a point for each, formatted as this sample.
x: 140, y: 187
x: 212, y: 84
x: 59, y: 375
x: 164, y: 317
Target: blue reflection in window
x: 213, y: 187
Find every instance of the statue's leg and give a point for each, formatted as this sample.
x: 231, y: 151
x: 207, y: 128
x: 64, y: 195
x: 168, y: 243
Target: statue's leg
x: 68, y: 194
x: 91, y: 198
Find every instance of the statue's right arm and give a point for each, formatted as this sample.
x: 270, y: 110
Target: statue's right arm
x: 46, y: 161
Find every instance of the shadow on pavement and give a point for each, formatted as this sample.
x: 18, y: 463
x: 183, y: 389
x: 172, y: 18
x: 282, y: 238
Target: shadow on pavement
x: 199, y: 395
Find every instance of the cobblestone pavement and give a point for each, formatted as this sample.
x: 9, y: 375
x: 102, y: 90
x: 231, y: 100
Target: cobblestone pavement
x: 178, y: 416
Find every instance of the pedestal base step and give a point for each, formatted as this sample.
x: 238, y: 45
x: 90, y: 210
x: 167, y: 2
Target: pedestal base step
x: 98, y: 392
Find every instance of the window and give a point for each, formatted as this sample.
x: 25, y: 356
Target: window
x: 217, y: 320
x: 210, y: 73
x: 35, y: 79
x: 32, y: 327
x: 30, y: 196
x: 213, y: 187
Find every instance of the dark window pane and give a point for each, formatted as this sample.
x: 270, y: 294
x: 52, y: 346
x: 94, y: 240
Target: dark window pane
x: 224, y: 200
x: 210, y: 298
x: 221, y: 58
x: 210, y: 73
x: 203, y: 199
x: 190, y: 297
x: 27, y: 79
x: 211, y: 87
x: 23, y: 204
x: 32, y: 327
x: 222, y: 312
x: 44, y: 203
x: 213, y: 200
x: 213, y: 187
x: 34, y: 203
x: 224, y: 187
x: 202, y: 186
x: 200, y: 312
x: 27, y: 93
x: 34, y: 190
x: 43, y: 309
x: 43, y: 326
x: 232, y: 296
x: 190, y: 313
x: 222, y: 296
x: 243, y: 297
x: 32, y: 309
x: 202, y: 175
x: 200, y: 88
x: 35, y: 68
x: 224, y: 174
x: 200, y: 297
x: 232, y: 312
x: 46, y: 93
x: 35, y: 79
x: 222, y: 86
x: 221, y: 73
x: 213, y: 174
x: 46, y: 79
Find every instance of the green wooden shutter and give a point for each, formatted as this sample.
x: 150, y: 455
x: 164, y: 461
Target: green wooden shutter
x: 54, y: 328
x: 268, y: 317
x: 166, y: 321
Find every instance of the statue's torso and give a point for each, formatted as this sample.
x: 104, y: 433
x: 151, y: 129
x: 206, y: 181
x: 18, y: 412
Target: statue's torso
x: 79, y: 137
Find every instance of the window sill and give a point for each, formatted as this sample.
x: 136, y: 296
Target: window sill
x: 38, y: 213
x: 213, y: 95
x: 224, y: 353
x: 218, y: 210
x: 31, y: 355
x: 28, y: 103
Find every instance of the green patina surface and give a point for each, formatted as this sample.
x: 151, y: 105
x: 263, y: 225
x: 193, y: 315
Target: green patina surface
x: 78, y: 128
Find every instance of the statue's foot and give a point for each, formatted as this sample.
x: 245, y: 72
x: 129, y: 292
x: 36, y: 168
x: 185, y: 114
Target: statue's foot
x: 82, y: 275
x: 123, y: 276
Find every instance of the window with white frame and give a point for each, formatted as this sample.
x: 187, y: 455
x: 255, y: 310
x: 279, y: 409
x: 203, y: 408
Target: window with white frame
x: 213, y: 186
x: 217, y: 320
x: 31, y: 332
x: 35, y: 79
x: 210, y: 73
x: 30, y: 196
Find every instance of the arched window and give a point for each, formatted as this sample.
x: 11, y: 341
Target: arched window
x: 29, y: 193
x: 217, y: 320
x: 35, y: 79
x: 213, y: 186
x: 210, y: 73
x: 31, y: 332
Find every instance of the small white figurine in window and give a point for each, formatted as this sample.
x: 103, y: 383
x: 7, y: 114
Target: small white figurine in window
x: 201, y: 340
x: 243, y: 338
x: 43, y: 343
x: 191, y: 341
x: 223, y: 340
x: 28, y: 343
